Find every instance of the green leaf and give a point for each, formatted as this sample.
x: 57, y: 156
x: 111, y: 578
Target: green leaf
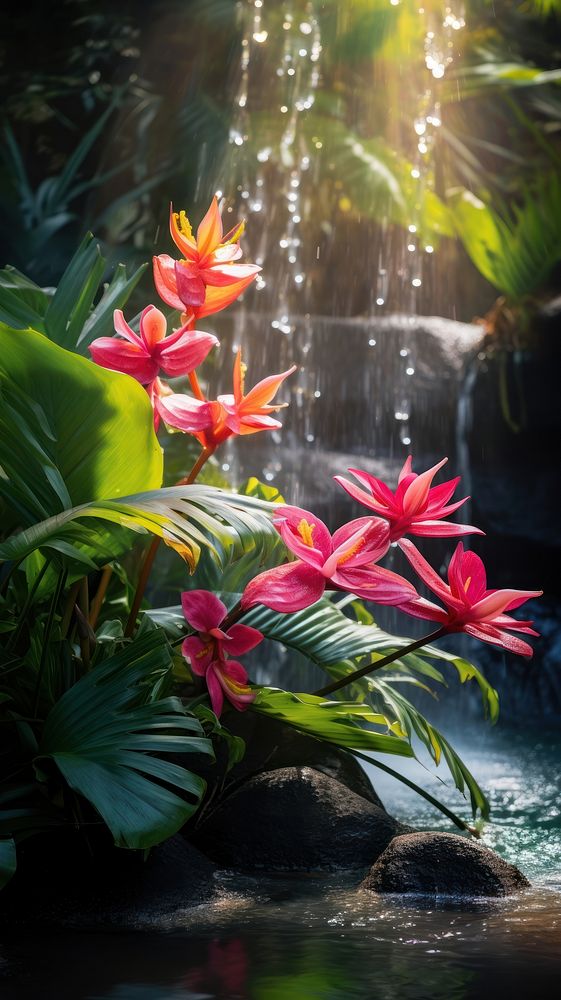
x: 515, y: 251
x: 82, y: 432
x: 327, y: 637
x: 342, y: 723
x: 186, y: 517
x: 8, y: 861
x: 106, y: 736
x: 389, y: 700
x: 72, y: 301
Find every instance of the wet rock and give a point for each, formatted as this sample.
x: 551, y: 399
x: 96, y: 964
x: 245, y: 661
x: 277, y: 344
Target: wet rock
x: 270, y: 745
x: 119, y: 891
x: 295, y: 819
x: 442, y: 864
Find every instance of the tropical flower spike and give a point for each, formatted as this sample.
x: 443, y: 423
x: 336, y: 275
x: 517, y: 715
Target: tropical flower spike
x: 210, y: 649
x: 206, y: 279
x: 416, y: 507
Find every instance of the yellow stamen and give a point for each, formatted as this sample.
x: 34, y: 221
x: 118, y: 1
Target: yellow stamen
x: 203, y: 652
x: 183, y: 224
x: 306, y: 532
x: 466, y: 584
x: 352, y: 551
x: 243, y: 371
x: 235, y: 235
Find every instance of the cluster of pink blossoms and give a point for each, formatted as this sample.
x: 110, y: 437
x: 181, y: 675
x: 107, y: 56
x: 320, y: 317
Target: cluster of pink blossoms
x: 204, y: 281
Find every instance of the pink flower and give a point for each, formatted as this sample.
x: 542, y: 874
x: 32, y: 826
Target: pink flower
x: 143, y: 356
x: 213, y: 421
x: 469, y: 606
x: 343, y: 561
x: 206, y: 279
x: 415, y: 508
x: 208, y: 651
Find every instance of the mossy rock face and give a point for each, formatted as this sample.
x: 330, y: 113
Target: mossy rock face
x: 295, y: 819
x: 442, y: 864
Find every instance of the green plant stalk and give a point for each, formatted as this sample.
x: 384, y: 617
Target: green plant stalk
x: 47, y: 635
x: 26, y: 606
x: 460, y: 823
x: 371, y: 667
x: 152, y: 551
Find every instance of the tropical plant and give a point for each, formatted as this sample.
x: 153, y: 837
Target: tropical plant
x: 94, y: 692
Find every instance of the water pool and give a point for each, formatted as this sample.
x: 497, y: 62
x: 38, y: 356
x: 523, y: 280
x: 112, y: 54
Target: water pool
x: 315, y: 938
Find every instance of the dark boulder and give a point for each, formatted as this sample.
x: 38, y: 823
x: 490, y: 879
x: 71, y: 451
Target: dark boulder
x: 118, y: 890
x: 442, y: 864
x: 295, y: 819
x: 271, y: 745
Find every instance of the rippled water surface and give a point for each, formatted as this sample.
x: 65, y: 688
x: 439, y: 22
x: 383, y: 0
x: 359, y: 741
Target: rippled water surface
x: 316, y: 938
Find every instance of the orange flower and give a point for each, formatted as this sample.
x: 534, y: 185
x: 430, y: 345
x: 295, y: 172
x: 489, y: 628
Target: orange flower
x: 212, y: 422
x: 206, y: 279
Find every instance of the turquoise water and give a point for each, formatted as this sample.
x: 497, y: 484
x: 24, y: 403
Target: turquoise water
x: 316, y: 938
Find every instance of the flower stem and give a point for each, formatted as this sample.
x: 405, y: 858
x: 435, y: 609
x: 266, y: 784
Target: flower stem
x: 151, y: 553
x: 195, y: 386
x: 371, y: 667
x: 95, y: 606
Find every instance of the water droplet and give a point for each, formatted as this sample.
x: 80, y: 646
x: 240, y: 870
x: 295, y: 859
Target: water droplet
x: 429, y: 249
x: 372, y: 342
x: 416, y: 282
x: 412, y: 229
x: 317, y: 394
x: 260, y: 36
x: 305, y: 28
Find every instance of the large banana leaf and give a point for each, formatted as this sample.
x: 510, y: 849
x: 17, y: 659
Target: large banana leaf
x: 105, y: 736
x: 334, y: 721
x: 186, y: 517
x: 71, y: 432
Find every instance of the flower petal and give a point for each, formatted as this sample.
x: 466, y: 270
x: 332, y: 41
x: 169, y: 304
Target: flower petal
x: 202, y: 609
x: 209, y: 233
x: 215, y: 688
x: 198, y: 653
x: 122, y: 356
x: 190, y: 286
x: 166, y: 282
x: 153, y: 327
x: 217, y: 299
x: 304, y: 534
x: 241, y: 638
x: 185, y: 413
x: 375, y: 583
x: 495, y: 636
x: 442, y: 529
x: 362, y: 541
x: 287, y: 588
x: 186, y: 352
x: 428, y: 575
x: 417, y: 492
